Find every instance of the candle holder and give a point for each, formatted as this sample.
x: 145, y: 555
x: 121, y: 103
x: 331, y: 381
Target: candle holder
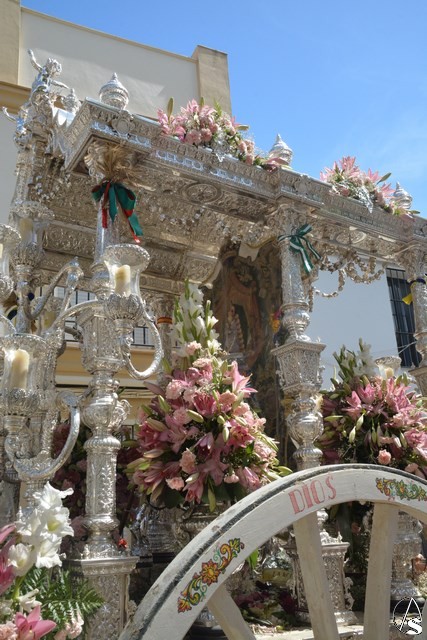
x: 24, y: 355
x: 124, y: 306
x: 125, y: 263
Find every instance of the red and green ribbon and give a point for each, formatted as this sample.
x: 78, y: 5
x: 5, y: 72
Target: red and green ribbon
x: 111, y: 194
x: 302, y: 245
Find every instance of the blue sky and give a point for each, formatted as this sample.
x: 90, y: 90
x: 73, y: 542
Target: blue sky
x: 333, y: 78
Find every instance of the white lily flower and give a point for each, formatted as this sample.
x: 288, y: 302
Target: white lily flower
x: 21, y: 556
x: 199, y: 324
x: 28, y: 525
x: 195, y: 293
x: 47, y: 553
x: 56, y: 522
x: 51, y: 497
x: 28, y: 601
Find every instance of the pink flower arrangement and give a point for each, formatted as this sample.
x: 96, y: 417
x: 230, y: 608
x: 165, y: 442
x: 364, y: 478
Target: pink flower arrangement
x: 373, y: 419
x: 199, y: 439
x: 347, y: 179
x: 201, y: 125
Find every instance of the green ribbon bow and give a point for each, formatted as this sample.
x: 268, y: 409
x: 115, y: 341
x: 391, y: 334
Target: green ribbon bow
x: 113, y: 193
x: 302, y: 245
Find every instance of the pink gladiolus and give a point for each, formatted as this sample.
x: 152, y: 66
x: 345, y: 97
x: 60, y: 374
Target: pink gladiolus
x: 32, y: 627
x: 384, y: 457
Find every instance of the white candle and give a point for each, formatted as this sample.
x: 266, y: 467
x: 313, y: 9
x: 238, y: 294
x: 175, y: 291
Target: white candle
x: 19, y: 369
x: 26, y: 230
x: 122, y: 280
x: 1, y: 251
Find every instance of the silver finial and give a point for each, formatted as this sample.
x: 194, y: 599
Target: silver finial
x: 114, y: 93
x: 71, y: 102
x: 281, y: 150
x: 402, y: 197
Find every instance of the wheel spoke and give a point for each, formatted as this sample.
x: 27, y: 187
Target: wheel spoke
x: 377, y: 601
x: 316, y: 586
x: 229, y: 616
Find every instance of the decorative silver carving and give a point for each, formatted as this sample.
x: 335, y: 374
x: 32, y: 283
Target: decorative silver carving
x: 281, y: 150
x: 190, y: 201
x: 70, y: 102
x: 110, y: 578
x: 406, y: 547
x: 402, y: 197
x: 114, y: 94
x: 333, y: 552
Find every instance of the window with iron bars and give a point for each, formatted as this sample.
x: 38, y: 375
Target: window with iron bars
x: 403, y: 318
x: 141, y: 335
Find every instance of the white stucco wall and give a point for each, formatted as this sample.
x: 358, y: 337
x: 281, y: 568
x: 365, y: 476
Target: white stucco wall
x: 360, y: 311
x: 89, y: 58
x: 7, y: 167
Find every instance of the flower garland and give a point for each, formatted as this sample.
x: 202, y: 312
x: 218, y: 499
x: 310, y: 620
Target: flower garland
x: 204, y: 126
x: 199, y: 440
x: 348, y: 180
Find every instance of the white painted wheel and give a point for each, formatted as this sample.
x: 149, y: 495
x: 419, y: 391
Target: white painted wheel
x: 197, y: 575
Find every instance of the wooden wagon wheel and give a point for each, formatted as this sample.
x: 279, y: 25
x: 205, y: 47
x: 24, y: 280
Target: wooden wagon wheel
x: 197, y: 576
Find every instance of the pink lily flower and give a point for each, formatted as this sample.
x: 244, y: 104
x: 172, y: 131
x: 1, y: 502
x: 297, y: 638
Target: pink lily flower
x: 32, y: 627
x: 239, y: 382
x: 205, y: 404
x: 355, y: 406
x: 367, y: 394
x: 194, y: 489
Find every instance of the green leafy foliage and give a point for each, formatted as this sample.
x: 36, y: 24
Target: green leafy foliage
x: 63, y: 594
